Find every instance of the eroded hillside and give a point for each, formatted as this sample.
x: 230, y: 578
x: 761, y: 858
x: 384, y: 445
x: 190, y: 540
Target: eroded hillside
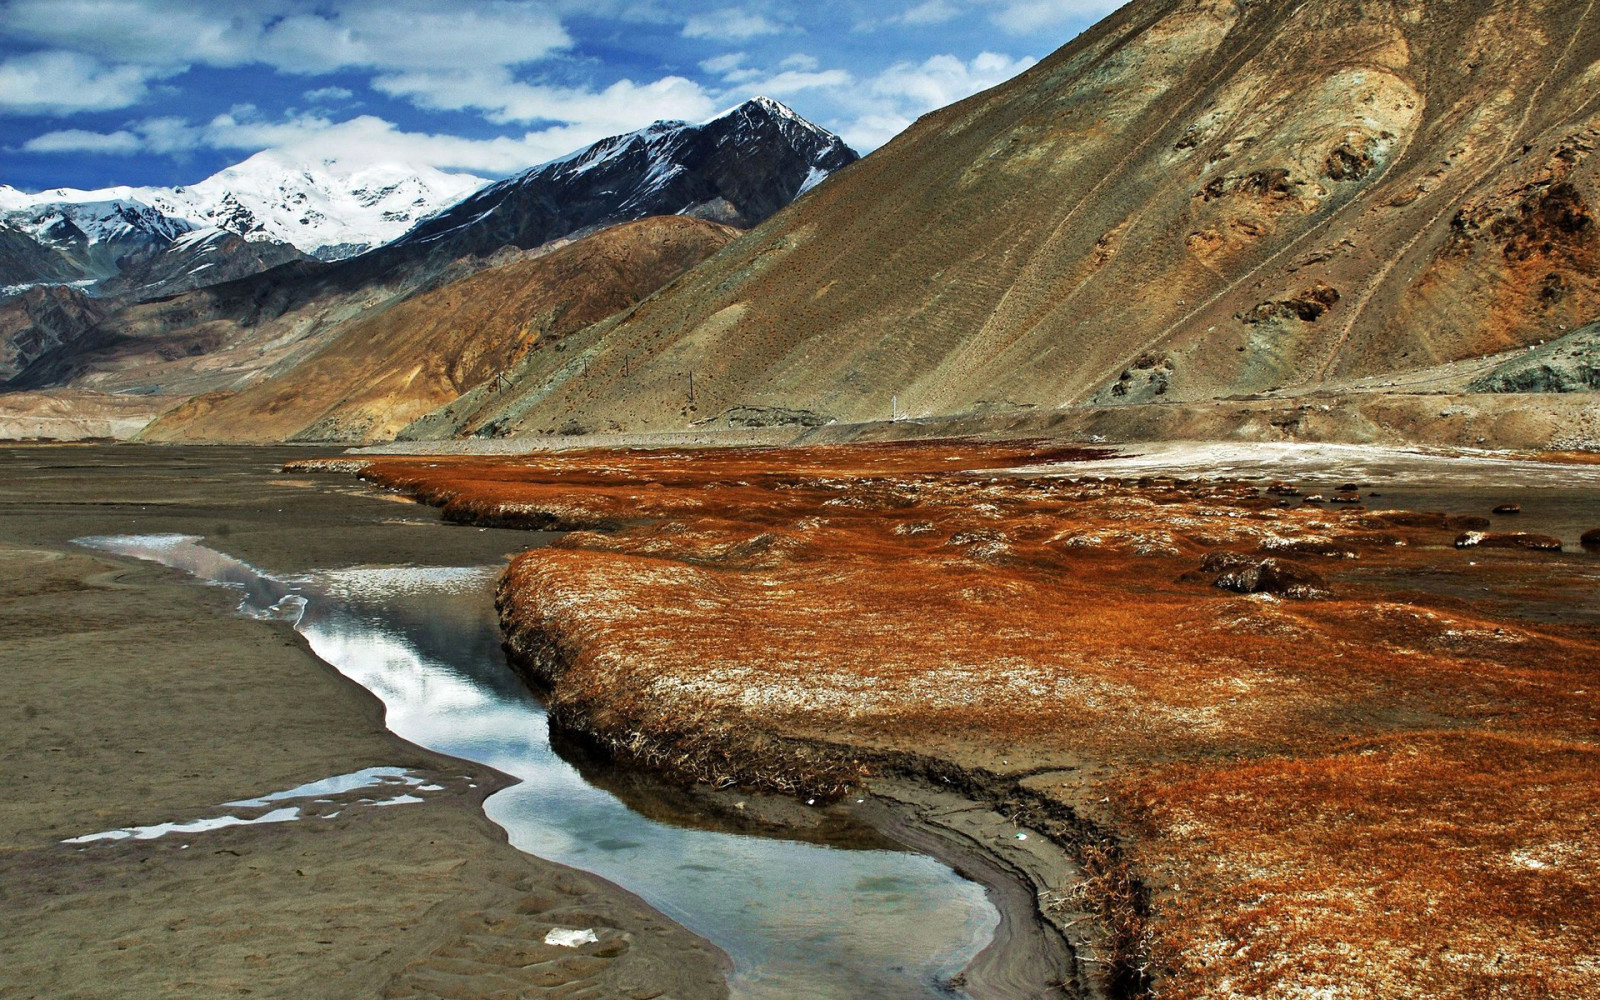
x: 392, y: 365
x: 1195, y: 199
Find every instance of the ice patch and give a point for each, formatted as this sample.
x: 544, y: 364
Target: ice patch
x: 371, y: 777
x: 561, y: 937
x: 399, y: 800
x: 285, y: 815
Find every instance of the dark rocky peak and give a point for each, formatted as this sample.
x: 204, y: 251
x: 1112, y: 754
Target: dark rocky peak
x: 740, y: 167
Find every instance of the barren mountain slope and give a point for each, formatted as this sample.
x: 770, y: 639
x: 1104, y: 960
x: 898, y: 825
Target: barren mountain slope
x: 391, y: 366
x: 1196, y: 198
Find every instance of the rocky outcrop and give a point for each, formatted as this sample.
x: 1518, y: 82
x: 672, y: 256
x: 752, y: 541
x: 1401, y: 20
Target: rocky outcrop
x: 41, y: 320
x: 1567, y: 364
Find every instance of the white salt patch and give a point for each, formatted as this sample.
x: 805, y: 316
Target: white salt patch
x: 399, y: 800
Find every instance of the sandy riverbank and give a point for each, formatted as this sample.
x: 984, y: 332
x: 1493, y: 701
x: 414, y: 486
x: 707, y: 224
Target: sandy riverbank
x: 1359, y: 764
x: 134, y: 697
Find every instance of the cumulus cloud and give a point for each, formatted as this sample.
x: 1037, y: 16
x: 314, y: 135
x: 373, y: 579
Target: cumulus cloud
x: 328, y: 95
x: 884, y: 106
x: 795, y: 73
x: 730, y: 26
x: 295, y: 36
x: 62, y: 83
x: 728, y: 62
x: 1026, y: 17
x: 581, y: 114
x: 358, y: 141
x: 73, y: 140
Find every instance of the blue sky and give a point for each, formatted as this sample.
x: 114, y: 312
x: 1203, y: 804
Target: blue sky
x: 99, y: 92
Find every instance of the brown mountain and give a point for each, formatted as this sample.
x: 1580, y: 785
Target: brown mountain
x: 393, y: 364
x: 1195, y: 199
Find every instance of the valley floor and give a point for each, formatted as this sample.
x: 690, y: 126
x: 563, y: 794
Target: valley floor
x: 1297, y: 748
x: 134, y: 697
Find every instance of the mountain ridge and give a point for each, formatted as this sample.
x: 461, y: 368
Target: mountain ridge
x: 1194, y: 200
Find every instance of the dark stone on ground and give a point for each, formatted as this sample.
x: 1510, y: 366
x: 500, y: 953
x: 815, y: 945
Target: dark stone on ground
x: 1245, y: 574
x: 1508, y: 540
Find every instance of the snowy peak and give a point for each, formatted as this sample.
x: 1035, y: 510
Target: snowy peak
x: 739, y: 167
x: 324, y: 207
x: 92, y: 222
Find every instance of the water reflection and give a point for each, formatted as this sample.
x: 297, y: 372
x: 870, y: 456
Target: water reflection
x: 798, y: 919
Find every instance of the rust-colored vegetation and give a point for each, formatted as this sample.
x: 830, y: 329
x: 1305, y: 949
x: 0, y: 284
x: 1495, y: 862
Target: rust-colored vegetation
x: 1325, y: 785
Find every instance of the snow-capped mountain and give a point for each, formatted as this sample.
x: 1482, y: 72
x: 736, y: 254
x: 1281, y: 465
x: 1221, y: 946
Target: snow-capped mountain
x: 92, y: 219
x: 80, y: 243
x: 324, y: 207
x: 120, y: 246
x: 739, y: 167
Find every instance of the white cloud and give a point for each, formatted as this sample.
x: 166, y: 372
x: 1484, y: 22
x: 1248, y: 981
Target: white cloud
x: 74, y: 140
x: 795, y: 73
x: 294, y: 35
x: 729, y: 26
x: 62, y: 83
x: 1026, y: 17
x: 328, y: 95
x: 726, y: 63
x: 580, y: 114
x: 882, y: 107
x: 358, y: 141
x: 932, y: 12
x: 793, y: 82
x: 414, y: 34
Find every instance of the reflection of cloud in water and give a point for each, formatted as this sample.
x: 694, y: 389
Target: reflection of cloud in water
x: 798, y: 919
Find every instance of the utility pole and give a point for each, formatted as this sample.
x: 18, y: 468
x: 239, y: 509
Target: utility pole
x: 691, y: 385
x: 894, y: 408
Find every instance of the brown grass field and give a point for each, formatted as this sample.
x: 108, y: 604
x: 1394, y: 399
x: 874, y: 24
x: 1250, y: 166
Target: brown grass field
x: 1377, y: 791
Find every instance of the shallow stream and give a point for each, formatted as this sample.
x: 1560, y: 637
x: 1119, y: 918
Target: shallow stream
x: 798, y: 919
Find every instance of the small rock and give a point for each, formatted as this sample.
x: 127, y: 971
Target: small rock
x: 1508, y: 540
x: 1245, y: 574
x: 1591, y: 539
x: 1316, y: 498
x: 1509, y: 508
x: 1283, y: 490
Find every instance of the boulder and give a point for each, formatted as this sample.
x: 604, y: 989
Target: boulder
x: 1508, y: 540
x: 1591, y: 539
x: 1509, y: 508
x: 1245, y: 574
